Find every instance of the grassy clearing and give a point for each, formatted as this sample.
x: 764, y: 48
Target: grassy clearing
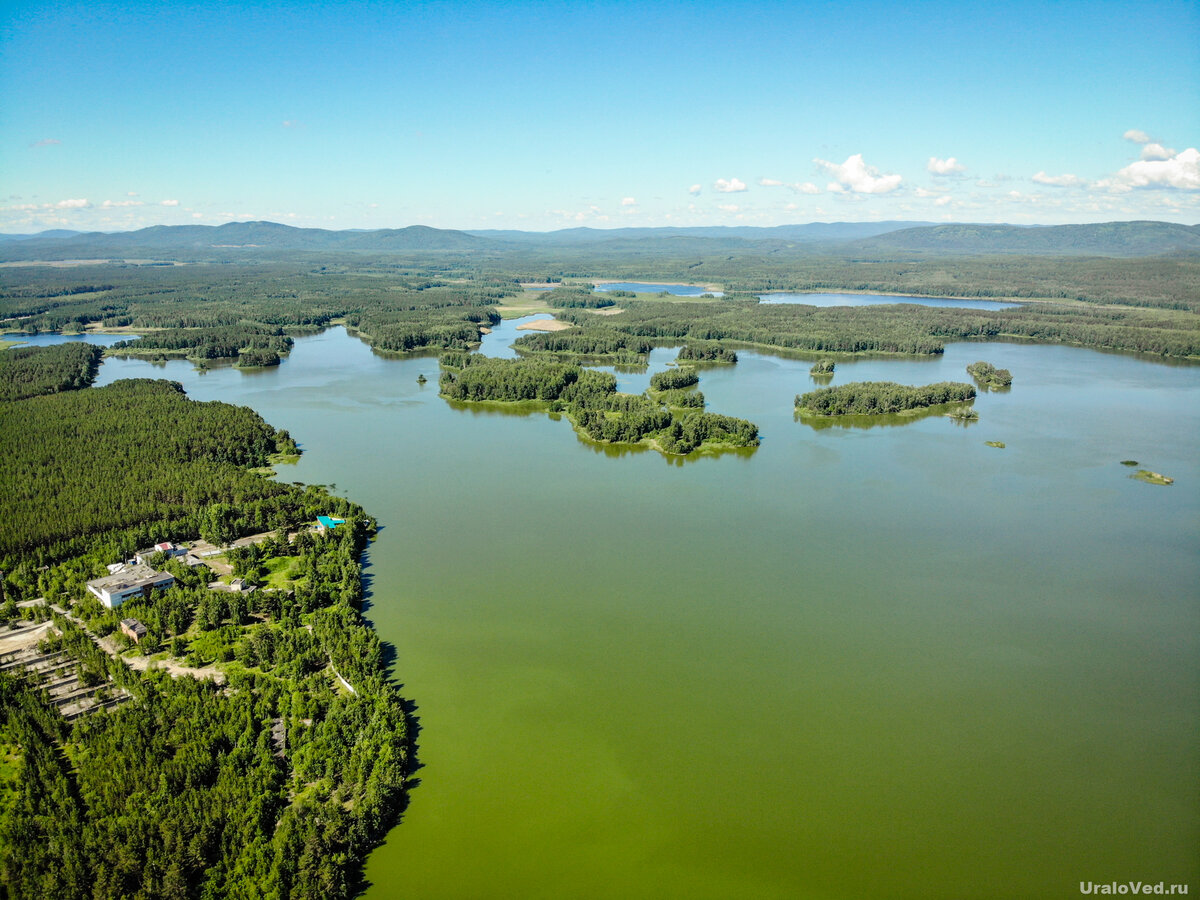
x: 279, y: 572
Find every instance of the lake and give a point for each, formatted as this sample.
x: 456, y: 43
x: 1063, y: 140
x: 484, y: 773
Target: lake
x: 855, y: 663
x: 43, y: 340
x: 820, y: 299
x: 645, y: 287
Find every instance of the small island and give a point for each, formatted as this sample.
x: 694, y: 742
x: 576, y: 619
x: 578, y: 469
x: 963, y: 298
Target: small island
x: 664, y: 419
x: 822, y: 368
x: 709, y: 354
x: 989, y: 377
x: 1151, y: 477
x: 874, y: 398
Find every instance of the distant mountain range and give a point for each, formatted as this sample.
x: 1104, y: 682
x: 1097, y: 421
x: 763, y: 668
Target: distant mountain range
x: 240, y: 239
x: 812, y: 232
x: 52, y: 233
x: 1104, y: 239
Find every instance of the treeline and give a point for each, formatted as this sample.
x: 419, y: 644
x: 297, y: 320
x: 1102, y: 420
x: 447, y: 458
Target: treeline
x: 84, y: 463
x: 988, y: 376
x: 508, y: 381
x: 842, y: 329
x: 706, y: 353
x: 566, y: 298
x: 216, y: 342
x: 590, y: 399
x: 32, y: 371
x: 674, y: 379
x: 902, y: 328
x: 434, y: 327
x: 869, y: 398
x: 595, y: 342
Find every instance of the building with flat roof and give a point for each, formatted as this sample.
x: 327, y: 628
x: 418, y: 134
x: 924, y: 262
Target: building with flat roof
x: 135, y: 629
x: 113, y: 590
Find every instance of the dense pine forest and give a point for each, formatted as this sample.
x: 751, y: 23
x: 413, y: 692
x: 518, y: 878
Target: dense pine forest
x: 30, y: 371
x: 265, y: 750
x: 872, y: 398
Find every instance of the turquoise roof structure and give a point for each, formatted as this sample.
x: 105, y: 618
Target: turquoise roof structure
x: 330, y: 522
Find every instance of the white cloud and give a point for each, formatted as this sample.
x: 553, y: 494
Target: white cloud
x: 1181, y: 171
x: 176, y: 203
x: 72, y: 204
x: 806, y: 187
x: 1064, y: 180
x: 948, y: 166
x: 628, y: 201
x: 1156, y: 151
x: 942, y: 201
x: 728, y: 207
x: 131, y: 193
x: 1137, y: 136
x: 45, y: 142
x: 855, y: 175
x: 732, y: 186
x: 694, y: 189
x: 111, y: 204
x: 930, y: 192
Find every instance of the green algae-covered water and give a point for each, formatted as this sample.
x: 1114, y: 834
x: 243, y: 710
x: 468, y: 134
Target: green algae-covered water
x: 887, y: 662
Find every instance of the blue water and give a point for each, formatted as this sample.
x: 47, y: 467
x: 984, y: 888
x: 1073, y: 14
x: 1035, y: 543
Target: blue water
x: 642, y: 287
x: 45, y: 340
x: 877, y: 299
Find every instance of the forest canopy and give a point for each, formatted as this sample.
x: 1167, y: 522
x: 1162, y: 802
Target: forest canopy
x: 871, y: 398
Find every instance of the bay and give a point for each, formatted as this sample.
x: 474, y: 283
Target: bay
x: 858, y: 662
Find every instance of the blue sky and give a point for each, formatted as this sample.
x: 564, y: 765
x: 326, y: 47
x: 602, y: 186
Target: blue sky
x: 551, y: 115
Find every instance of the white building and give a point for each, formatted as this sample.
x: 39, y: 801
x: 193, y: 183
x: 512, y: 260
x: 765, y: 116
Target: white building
x: 171, y: 550
x: 113, y: 590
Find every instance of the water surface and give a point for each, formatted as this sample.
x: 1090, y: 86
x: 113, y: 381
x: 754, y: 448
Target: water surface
x: 644, y: 287
x: 822, y: 299
x: 881, y: 663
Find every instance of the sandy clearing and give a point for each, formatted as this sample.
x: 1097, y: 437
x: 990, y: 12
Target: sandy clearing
x: 545, y: 325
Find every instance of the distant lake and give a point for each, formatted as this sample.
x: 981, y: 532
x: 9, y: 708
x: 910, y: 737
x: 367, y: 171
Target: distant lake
x: 45, y: 340
x: 644, y: 287
x: 876, y: 299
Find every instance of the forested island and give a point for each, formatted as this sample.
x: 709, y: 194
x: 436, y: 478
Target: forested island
x: 873, y: 398
x: 242, y: 738
x: 989, y: 377
x: 660, y: 419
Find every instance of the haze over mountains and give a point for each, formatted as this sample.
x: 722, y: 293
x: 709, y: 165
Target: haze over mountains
x: 1123, y: 239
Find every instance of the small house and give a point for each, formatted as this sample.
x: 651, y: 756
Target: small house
x: 135, y: 629
x: 166, y: 547
x: 328, y: 523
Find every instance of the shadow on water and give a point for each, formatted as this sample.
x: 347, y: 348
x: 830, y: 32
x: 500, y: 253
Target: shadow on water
x: 821, y: 423
x: 359, y: 885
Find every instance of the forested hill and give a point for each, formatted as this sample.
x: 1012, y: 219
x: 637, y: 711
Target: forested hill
x: 1104, y: 239
x: 811, y: 232
x: 577, y: 247
x: 189, y: 240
